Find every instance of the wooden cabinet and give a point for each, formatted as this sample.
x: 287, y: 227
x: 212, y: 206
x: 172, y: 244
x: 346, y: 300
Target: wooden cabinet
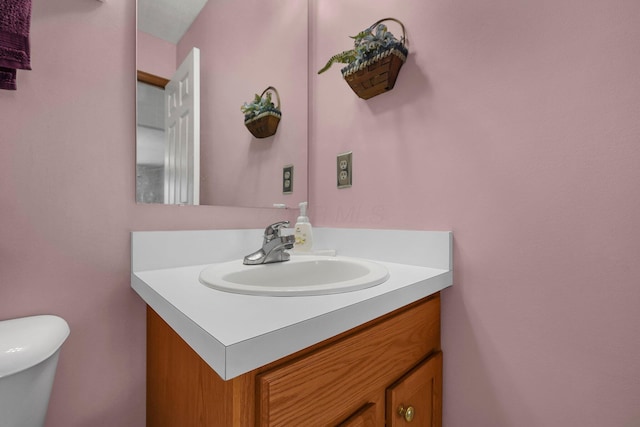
x: 416, y: 399
x: 363, y: 417
x: 358, y: 379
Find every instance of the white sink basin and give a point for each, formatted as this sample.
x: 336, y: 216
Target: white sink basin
x: 302, y: 275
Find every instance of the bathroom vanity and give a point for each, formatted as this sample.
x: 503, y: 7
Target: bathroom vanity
x: 353, y: 379
x: 361, y: 358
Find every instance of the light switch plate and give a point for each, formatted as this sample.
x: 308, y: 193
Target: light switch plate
x: 345, y: 170
x: 287, y: 179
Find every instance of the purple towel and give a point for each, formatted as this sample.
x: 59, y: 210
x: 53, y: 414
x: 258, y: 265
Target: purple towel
x: 15, y: 20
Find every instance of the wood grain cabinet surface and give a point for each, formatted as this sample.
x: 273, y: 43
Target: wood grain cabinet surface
x: 361, y: 378
x: 416, y: 399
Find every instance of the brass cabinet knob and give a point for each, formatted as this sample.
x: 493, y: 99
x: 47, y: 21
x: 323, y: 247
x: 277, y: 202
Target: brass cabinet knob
x: 407, y: 413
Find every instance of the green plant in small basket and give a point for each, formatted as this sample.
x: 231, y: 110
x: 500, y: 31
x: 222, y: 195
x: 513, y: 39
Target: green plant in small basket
x: 367, y: 43
x: 259, y: 105
x: 261, y: 117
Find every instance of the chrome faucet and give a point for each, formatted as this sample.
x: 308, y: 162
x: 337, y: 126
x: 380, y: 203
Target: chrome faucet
x: 273, y: 246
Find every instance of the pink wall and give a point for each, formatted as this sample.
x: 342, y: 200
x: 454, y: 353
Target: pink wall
x: 514, y: 124
x: 67, y: 191
x: 269, y: 48
x: 155, y: 56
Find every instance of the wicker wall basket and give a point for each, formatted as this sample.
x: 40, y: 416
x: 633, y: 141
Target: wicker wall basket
x: 379, y: 73
x: 265, y: 124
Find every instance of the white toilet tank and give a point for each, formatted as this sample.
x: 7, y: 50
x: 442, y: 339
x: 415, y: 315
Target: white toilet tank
x: 29, y: 349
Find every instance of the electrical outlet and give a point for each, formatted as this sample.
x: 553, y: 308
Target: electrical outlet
x: 287, y: 179
x: 345, y: 171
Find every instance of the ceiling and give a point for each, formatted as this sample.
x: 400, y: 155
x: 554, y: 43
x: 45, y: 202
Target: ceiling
x: 167, y: 19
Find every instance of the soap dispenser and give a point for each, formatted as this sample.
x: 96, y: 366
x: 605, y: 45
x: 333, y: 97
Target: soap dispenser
x: 303, y: 231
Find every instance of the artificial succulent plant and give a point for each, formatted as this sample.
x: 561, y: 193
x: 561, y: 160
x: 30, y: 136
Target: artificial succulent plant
x: 259, y: 105
x: 367, y: 43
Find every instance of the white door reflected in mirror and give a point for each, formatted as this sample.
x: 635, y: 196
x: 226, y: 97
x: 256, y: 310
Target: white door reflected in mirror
x: 182, y: 133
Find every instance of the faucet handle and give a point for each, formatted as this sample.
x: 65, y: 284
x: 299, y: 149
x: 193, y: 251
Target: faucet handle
x: 274, y: 229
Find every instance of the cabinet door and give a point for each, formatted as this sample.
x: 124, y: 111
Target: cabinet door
x: 323, y: 387
x: 416, y: 398
x: 364, y: 417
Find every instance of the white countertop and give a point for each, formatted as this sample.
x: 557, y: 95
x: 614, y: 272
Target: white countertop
x: 237, y: 333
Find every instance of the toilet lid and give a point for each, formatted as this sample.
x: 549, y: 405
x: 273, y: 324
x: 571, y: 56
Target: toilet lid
x: 27, y: 341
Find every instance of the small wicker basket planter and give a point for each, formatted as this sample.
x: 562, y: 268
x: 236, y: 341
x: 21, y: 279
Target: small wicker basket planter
x: 266, y: 123
x: 379, y: 72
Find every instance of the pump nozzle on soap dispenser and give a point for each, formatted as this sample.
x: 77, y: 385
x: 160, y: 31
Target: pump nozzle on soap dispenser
x: 303, y: 231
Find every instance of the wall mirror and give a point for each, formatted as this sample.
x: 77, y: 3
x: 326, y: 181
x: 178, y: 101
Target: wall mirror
x: 231, y: 50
